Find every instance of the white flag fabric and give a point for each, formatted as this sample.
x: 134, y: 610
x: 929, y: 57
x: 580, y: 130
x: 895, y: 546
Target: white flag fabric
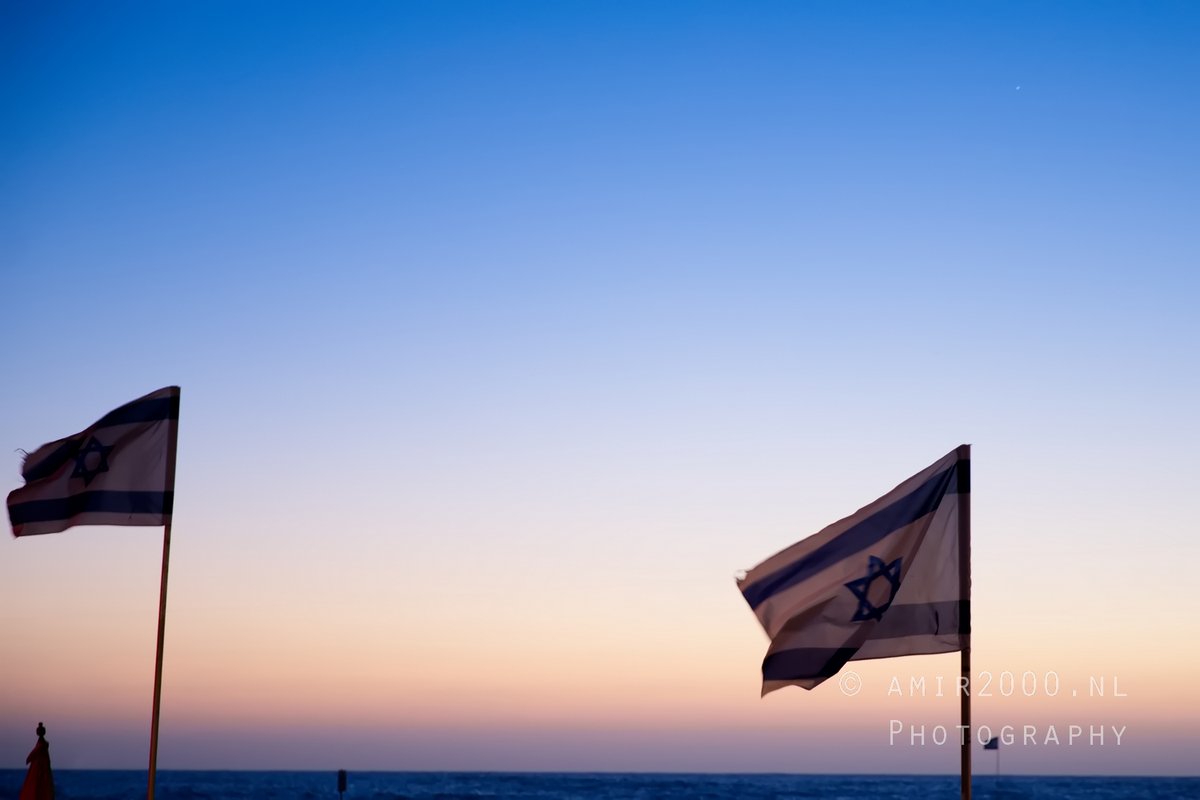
x: 886, y: 581
x: 120, y: 471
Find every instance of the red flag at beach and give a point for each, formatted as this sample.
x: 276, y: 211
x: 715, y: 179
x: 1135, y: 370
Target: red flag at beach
x: 39, y: 781
x: 120, y: 471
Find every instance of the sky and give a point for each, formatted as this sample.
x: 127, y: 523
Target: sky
x: 508, y: 333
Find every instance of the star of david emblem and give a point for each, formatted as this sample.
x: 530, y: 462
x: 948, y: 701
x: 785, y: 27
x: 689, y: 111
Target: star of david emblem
x: 91, y: 460
x: 876, y: 569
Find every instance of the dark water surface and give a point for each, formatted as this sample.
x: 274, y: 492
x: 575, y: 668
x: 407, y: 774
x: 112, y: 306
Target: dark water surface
x: 186, y: 785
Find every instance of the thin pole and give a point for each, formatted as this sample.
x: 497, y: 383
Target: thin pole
x: 158, y: 660
x: 168, y: 511
x: 965, y: 700
x: 964, y: 586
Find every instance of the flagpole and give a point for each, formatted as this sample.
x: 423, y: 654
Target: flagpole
x: 169, y: 493
x: 158, y: 660
x: 966, y: 722
x: 964, y: 585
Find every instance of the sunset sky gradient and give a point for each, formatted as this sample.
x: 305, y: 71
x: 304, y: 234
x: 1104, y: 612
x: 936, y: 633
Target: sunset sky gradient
x: 508, y: 332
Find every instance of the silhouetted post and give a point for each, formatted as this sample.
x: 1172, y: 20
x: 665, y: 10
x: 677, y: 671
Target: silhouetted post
x: 964, y: 591
x: 341, y: 782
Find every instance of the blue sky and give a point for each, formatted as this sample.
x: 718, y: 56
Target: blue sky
x: 474, y: 305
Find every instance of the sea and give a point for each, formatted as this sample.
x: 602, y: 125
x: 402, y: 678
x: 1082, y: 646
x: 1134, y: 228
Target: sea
x: 185, y: 785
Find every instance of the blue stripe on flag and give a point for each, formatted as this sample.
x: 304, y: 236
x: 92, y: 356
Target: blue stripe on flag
x: 806, y: 662
x: 53, y: 462
x: 916, y: 619
x: 152, y: 410
x: 99, y: 501
x: 858, y: 537
x: 156, y: 409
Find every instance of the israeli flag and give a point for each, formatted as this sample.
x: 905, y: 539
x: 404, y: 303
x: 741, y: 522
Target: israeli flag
x: 120, y: 471
x: 886, y: 581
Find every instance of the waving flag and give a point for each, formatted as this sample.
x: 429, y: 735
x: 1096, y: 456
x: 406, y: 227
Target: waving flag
x: 886, y: 581
x: 120, y: 471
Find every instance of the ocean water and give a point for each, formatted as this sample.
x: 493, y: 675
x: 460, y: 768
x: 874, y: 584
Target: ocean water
x: 184, y: 785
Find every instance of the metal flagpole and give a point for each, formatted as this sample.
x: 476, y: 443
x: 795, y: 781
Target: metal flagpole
x: 158, y: 660
x: 964, y: 586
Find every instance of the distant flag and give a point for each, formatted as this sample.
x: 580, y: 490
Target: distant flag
x: 120, y: 471
x: 886, y: 581
x: 994, y: 744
